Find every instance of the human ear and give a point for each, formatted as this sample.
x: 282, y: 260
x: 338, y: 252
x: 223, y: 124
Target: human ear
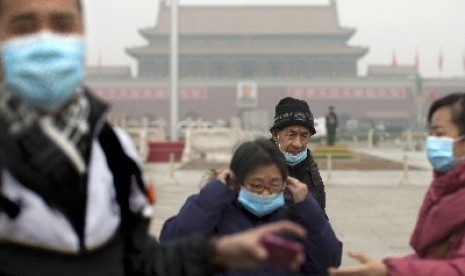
x: 275, y: 136
x: 232, y: 181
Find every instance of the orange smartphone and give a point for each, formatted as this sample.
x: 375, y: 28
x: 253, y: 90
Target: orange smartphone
x: 281, y: 252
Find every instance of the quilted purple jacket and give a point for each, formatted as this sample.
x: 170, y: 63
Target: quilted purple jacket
x: 215, y: 211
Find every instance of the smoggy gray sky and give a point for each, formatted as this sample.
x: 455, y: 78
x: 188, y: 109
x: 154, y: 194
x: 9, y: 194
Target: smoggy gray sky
x: 405, y: 27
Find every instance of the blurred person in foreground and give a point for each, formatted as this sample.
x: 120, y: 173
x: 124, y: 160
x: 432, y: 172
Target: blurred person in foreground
x: 292, y: 130
x: 72, y: 199
x: 439, y: 235
x: 250, y: 194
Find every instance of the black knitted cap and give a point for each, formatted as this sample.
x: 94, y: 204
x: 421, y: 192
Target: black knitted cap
x: 290, y: 112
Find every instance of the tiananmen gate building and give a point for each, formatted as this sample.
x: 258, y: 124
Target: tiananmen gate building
x: 240, y: 60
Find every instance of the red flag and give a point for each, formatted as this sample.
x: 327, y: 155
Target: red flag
x: 394, y: 60
x: 417, y: 61
x: 432, y: 96
x: 440, y: 61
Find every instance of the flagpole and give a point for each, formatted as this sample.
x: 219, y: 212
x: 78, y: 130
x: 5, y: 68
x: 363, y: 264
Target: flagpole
x: 174, y: 71
x: 393, y: 60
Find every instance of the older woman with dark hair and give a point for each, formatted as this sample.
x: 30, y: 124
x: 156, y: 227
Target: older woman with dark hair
x: 439, y: 235
x: 252, y: 193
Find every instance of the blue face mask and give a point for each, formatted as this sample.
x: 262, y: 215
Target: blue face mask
x: 44, y: 69
x: 260, y: 205
x: 440, y: 152
x: 295, y: 159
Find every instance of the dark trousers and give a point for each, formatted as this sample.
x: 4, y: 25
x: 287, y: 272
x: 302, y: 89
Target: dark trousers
x: 331, y: 137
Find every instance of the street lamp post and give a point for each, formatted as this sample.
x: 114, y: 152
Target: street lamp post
x: 174, y: 71
x: 419, y: 97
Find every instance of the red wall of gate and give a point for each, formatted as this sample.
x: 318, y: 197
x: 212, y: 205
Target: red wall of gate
x: 160, y: 151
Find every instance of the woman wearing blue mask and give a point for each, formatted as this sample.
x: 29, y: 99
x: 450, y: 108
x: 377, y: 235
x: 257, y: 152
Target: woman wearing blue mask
x: 251, y: 193
x: 439, y: 235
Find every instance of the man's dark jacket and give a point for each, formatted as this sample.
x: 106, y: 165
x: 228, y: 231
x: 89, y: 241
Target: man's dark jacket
x: 307, y: 172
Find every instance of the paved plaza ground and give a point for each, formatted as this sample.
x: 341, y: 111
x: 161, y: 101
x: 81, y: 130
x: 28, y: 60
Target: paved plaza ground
x: 372, y: 211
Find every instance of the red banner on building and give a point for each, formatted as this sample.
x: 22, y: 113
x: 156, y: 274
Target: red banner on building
x: 375, y: 93
x: 141, y: 93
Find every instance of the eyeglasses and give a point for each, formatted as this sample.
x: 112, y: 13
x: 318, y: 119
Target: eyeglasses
x: 259, y: 188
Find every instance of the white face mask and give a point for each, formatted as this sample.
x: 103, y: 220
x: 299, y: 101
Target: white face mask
x: 440, y: 152
x: 293, y: 159
x: 260, y: 205
x: 43, y: 69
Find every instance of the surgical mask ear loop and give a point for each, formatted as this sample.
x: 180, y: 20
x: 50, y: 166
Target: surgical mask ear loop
x: 460, y: 138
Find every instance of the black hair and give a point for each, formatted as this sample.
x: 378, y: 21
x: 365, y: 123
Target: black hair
x: 253, y: 154
x: 457, y: 103
x: 78, y: 3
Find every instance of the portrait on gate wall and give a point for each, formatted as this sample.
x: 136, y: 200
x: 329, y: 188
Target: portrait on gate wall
x: 247, y: 94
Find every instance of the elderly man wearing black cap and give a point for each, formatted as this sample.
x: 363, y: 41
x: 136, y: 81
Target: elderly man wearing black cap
x: 292, y: 128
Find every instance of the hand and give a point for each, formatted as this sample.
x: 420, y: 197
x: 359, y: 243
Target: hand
x: 224, y: 176
x: 228, y: 178
x: 296, y: 189
x: 368, y: 267
x: 244, y: 249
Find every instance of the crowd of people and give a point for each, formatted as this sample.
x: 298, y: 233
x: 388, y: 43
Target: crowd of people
x: 73, y: 200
